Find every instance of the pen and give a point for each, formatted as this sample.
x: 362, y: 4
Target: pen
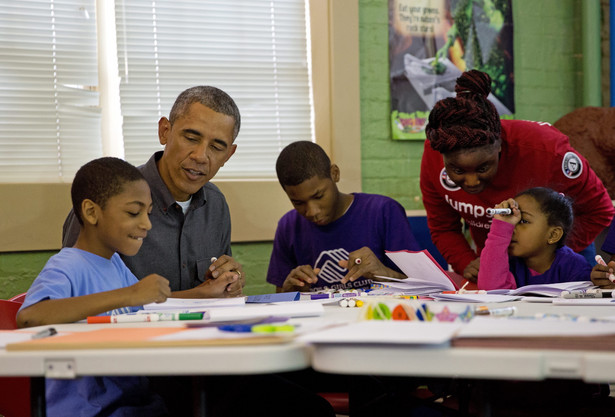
x: 257, y: 328
x: 45, y: 333
x: 140, y: 318
x: 499, y: 312
x: 601, y: 262
x: 586, y: 294
x: 504, y: 211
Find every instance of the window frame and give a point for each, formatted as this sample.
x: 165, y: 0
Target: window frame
x: 32, y: 214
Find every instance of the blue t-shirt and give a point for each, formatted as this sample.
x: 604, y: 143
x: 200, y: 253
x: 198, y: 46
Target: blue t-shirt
x: 375, y: 221
x: 568, y: 266
x: 72, y: 273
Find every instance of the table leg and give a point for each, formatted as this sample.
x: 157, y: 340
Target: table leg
x: 38, y: 405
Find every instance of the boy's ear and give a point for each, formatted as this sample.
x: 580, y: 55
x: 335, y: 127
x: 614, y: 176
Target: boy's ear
x: 555, y: 234
x: 335, y: 173
x: 89, y: 212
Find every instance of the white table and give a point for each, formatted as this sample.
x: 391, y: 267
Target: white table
x: 474, y: 365
x: 480, y: 363
x: 380, y: 359
x: 209, y: 361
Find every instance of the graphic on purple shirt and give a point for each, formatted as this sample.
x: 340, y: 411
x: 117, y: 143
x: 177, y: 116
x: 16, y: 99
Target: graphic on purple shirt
x: 375, y: 221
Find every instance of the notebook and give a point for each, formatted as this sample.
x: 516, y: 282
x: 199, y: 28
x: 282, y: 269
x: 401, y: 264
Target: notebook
x: 425, y: 275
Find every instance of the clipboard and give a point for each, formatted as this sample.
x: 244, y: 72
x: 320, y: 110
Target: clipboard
x: 143, y: 337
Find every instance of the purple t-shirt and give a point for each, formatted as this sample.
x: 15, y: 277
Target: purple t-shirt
x: 375, y: 221
x: 608, y: 245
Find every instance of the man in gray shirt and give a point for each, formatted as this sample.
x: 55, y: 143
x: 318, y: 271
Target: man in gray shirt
x: 190, y: 239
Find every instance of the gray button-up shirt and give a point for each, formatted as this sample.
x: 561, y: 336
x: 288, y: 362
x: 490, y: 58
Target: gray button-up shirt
x: 177, y: 247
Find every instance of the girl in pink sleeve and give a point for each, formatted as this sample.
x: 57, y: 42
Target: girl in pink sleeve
x: 527, y: 246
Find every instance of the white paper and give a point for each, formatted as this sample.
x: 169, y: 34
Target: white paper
x: 421, y: 270
x: 520, y: 327
x: 194, y: 304
x: 551, y: 290
x: 584, y: 302
x: 476, y: 298
x: 294, y: 309
x: 387, y: 332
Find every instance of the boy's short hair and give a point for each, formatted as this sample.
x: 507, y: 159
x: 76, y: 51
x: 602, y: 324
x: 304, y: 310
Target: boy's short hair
x: 208, y: 96
x: 300, y: 161
x: 101, y: 179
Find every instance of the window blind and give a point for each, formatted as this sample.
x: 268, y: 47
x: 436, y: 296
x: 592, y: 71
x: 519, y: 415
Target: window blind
x: 49, y: 115
x: 256, y: 51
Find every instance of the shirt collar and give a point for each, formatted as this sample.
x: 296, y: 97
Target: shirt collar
x: 160, y: 193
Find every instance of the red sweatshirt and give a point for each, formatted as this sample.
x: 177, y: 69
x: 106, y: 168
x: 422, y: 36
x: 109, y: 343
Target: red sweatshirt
x: 534, y: 154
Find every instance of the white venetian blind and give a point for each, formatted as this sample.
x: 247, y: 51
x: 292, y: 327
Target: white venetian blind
x: 49, y: 119
x: 255, y: 50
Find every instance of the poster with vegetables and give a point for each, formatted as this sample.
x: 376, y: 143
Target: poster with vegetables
x: 431, y: 42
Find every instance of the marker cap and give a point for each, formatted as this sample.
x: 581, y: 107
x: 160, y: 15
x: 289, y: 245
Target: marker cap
x: 99, y: 319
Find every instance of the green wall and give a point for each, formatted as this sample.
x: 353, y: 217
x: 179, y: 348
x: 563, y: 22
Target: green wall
x: 547, y: 86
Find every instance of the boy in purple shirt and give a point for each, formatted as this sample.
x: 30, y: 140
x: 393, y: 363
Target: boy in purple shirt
x: 332, y: 239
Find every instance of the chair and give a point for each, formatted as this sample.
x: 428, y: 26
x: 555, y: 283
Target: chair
x: 19, y: 298
x: 15, y: 398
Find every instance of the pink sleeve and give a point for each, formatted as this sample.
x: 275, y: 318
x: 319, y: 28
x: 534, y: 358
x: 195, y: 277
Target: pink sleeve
x: 494, y: 272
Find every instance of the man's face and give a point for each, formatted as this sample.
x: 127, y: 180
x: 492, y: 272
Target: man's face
x: 196, y: 146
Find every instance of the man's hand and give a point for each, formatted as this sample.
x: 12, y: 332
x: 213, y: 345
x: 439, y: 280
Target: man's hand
x: 226, y: 285
x: 300, y: 279
x: 226, y: 264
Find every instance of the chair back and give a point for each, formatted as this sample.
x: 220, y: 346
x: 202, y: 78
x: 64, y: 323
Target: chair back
x: 15, y: 397
x: 8, y: 313
x: 19, y: 298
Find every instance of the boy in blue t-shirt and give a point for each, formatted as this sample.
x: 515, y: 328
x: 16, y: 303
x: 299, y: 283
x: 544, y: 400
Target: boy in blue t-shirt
x: 112, y: 201
x: 332, y: 239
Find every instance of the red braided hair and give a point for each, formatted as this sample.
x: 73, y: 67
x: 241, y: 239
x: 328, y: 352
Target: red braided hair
x: 468, y: 120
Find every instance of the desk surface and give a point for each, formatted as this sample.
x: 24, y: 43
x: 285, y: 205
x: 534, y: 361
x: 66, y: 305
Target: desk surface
x: 481, y: 363
x: 381, y: 359
x: 209, y: 360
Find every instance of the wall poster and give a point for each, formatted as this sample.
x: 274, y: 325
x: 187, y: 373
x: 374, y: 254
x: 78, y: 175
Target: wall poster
x: 431, y: 42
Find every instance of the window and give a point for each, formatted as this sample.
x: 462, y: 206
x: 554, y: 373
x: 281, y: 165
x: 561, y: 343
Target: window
x: 256, y: 51
x: 49, y: 114
x: 50, y: 124
x: 33, y: 209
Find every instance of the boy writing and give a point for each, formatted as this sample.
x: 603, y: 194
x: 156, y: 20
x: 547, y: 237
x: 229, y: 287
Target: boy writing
x: 112, y: 202
x: 332, y: 239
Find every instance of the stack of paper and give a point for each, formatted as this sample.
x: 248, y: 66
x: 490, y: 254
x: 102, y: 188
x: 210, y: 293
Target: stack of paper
x: 194, y: 304
x: 424, y: 274
x: 532, y: 333
x: 546, y: 290
x: 387, y: 332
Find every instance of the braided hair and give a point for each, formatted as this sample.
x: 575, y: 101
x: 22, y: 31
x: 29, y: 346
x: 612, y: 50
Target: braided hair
x: 468, y: 120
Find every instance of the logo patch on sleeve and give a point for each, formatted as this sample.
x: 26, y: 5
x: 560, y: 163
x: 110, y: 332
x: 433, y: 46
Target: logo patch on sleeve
x: 446, y: 181
x: 572, y: 166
